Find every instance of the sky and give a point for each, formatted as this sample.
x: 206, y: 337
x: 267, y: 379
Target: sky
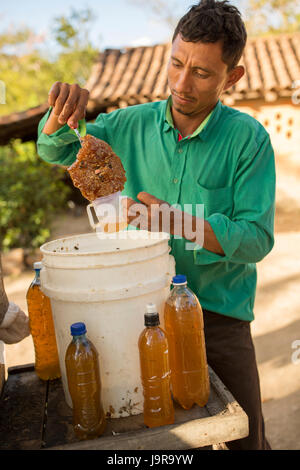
x: 119, y: 23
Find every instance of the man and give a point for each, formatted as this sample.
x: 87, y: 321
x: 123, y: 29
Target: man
x: 191, y: 149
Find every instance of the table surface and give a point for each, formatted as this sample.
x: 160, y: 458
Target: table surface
x: 35, y: 415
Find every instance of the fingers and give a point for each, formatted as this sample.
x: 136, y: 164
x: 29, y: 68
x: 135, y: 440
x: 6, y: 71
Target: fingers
x: 135, y: 213
x: 69, y: 103
x: 148, y: 199
x: 53, y: 93
x: 128, y: 203
x: 80, y: 108
x: 159, y: 213
x: 61, y: 100
x: 151, y: 214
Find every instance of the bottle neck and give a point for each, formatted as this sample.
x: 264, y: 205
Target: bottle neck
x: 180, y: 286
x: 37, y: 279
x: 79, y: 337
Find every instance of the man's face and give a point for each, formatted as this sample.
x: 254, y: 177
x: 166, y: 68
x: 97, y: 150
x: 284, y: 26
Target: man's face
x: 197, y: 75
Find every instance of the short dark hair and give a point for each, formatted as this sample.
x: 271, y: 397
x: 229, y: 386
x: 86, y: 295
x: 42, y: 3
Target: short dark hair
x: 210, y: 21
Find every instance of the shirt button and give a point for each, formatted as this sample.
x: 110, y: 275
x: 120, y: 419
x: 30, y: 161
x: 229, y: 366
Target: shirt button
x: 180, y: 150
x: 175, y: 180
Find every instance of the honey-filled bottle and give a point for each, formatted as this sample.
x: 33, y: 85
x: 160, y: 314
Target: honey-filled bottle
x: 42, y: 329
x: 155, y: 372
x: 83, y: 374
x: 185, y: 332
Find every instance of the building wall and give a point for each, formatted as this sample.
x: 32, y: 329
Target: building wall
x: 282, y: 120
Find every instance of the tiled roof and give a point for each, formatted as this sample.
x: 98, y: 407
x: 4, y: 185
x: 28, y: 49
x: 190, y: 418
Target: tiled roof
x: 272, y: 64
x: 137, y: 75
x: 23, y: 125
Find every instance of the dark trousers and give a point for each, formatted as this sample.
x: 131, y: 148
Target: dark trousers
x: 230, y: 353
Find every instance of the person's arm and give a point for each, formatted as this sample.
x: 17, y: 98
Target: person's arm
x: 157, y: 215
x: 14, y: 324
x: 57, y: 142
x: 60, y: 147
x: 52, y: 125
x: 210, y: 241
x: 69, y: 104
x: 247, y: 236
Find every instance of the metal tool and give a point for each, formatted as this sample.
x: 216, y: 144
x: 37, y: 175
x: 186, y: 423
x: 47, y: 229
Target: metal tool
x: 79, y: 136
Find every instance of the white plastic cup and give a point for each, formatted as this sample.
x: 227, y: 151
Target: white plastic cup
x: 109, y: 212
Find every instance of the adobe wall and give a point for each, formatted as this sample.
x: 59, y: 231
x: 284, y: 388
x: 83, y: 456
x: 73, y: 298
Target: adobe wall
x: 282, y: 120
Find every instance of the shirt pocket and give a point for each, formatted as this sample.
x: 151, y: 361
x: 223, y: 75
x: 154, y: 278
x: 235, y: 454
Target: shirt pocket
x: 219, y: 200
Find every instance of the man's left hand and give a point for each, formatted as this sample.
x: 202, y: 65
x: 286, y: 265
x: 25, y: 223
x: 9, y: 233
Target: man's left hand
x: 156, y: 215
x: 147, y: 215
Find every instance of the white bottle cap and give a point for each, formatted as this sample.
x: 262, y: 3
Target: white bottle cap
x: 151, y: 308
x: 37, y: 265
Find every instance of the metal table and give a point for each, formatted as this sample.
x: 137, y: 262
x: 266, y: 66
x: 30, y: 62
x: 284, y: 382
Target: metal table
x: 34, y: 415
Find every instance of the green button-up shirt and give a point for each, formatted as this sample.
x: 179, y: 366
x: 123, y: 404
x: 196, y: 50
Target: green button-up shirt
x: 227, y: 164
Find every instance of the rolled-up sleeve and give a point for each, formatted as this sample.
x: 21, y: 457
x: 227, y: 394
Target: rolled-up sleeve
x: 248, y: 235
x: 62, y: 146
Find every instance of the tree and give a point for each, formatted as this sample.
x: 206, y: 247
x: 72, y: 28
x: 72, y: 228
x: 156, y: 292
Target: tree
x: 260, y: 16
x: 32, y: 191
x: 78, y: 54
x: 72, y: 32
x: 272, y: 16
x: 28, y: 72
x: 31, y: 195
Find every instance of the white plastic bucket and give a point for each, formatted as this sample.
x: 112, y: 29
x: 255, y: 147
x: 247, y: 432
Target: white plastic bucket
x: 106, y: 283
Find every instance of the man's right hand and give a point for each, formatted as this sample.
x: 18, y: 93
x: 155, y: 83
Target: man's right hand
x: 69, y: 104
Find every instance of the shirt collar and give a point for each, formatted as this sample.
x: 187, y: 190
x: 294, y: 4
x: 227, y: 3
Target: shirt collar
x: 205, y: 127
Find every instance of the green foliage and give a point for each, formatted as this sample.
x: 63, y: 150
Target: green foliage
x: 272, y: 17
x: 32, y: 191
x: 262, y: 17
x: 15, y: 38
x: 29, y: 71
x: 31, y: 195
x: 72, y: 32
x: 78, y: 53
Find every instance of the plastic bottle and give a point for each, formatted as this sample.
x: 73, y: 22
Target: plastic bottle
x: 42, y: 329
x: 155, y: 372
x: 184, y: 328
x: 84, y: 384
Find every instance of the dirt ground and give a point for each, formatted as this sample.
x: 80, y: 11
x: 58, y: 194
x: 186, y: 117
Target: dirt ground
x: 277, y: 312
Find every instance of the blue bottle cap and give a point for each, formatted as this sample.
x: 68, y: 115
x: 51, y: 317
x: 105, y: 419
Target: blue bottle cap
x: 179, y: 279
x: 78, y: 329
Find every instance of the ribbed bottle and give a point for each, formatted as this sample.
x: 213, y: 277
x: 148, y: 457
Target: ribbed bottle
x: 42, y: 329
x: 155, y: 372
x: 185, y: 332
x: 83, y: 375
